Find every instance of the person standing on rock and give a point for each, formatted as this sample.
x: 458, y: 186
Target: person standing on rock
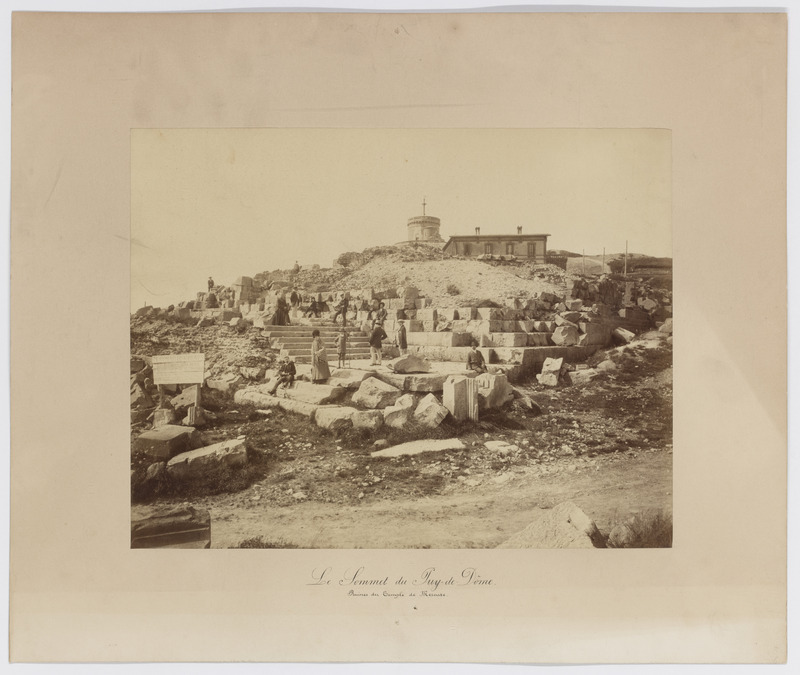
x: 402, y: 340
x: 210, y: 284
x: 475, y: 360
x: 375, y: 344
x: 319, y: 359
x: 341, y: 347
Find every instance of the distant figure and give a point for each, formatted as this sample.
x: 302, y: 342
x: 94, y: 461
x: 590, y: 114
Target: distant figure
x: 364, y: 306
x: 285, y: 377
x: 296, y: 268
x: 375, y: 344
x: 401, y: 338
x: 313, y: 308
x: 475, y: 360
x: 294, y: 298
x: 341, y: 347
x: 341, y: 310
x: 380, y: 314
x: 210, y: 283
x: 319, y: 359
x: 281, y: 316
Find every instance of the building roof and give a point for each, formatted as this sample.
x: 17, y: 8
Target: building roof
x: 469, y: 237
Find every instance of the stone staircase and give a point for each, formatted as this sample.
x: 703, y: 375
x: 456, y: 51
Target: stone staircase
x: 295, y: 341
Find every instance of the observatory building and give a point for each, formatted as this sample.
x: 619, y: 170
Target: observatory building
x: 424, y: 228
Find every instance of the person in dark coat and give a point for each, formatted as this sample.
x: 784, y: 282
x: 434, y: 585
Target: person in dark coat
x: 375, y: 344
x: 475, y: 360
x: 210, y: 283
x: 281, y: 316
x: 285, y: 377
x: 294, y: 298
x: 402, y: 340
x: 341, y: 310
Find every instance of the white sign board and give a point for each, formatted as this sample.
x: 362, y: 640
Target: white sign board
x: 179, y: 369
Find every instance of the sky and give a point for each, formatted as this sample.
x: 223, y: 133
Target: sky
x: 235, y: 202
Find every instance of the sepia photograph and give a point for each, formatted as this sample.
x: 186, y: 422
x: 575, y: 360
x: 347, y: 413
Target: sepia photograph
x: 397, y: 338
x: 395, y: 294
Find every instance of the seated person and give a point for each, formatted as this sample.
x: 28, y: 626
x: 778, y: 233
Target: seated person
x: 285, y: 377
x: 475, y: 360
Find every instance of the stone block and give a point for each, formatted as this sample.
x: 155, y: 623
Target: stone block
x: 373, y: 393
x: 367, y: 419
x: 509, y: 339
x: 525, y: 326
x: 574, y: 304
x: 666, y: 327
x: 140, y: 398
x: 582, y: 376
x: 334, y: 417
x: 170, y: 527
x: 490, y: 313
x: 410, y: 292
x: 413, y: 326
x: 397, y: 415
x: 564, y: 526
x: 410, y: 363
x: 163, y: 416
x: 429, y: 382
x: 428, y: 326
x: 427, y: 315
x: 348, y: 378
x: 418, y: 447
x: 623, y: 335
x: 565, y: 336
x: 231, y: 453
x: 494, y: 390
x: 316, y: 394
x: 460, y: 397
x: 448, y: 314
x: 163, y: 443
x: 595, y: 333
x: 188, y: 397
x: 551, y: 369
x: 538, y: 339
x: 430, y: 413
x: 225, y: 382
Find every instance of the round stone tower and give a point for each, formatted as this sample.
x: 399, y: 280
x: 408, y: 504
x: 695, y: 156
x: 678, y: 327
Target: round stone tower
x: 424, y: 228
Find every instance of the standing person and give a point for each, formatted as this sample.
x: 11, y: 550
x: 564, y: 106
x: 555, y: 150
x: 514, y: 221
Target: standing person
x: 341, y: 310
x: 402, y: 340
x: 341, y: 347
x: 294, y: 298
x: 285, y: 377
x: 210, y: 284
x: 475, y: 360
x: 319, y: 359
x: 378, y: 334
x: 281, y: 316
x: 380, y: 314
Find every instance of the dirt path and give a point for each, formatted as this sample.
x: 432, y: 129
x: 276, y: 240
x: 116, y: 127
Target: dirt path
x: 608, y: 489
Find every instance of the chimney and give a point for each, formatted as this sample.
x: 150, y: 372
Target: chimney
x: 477, y: 232
x: 519, y: 229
